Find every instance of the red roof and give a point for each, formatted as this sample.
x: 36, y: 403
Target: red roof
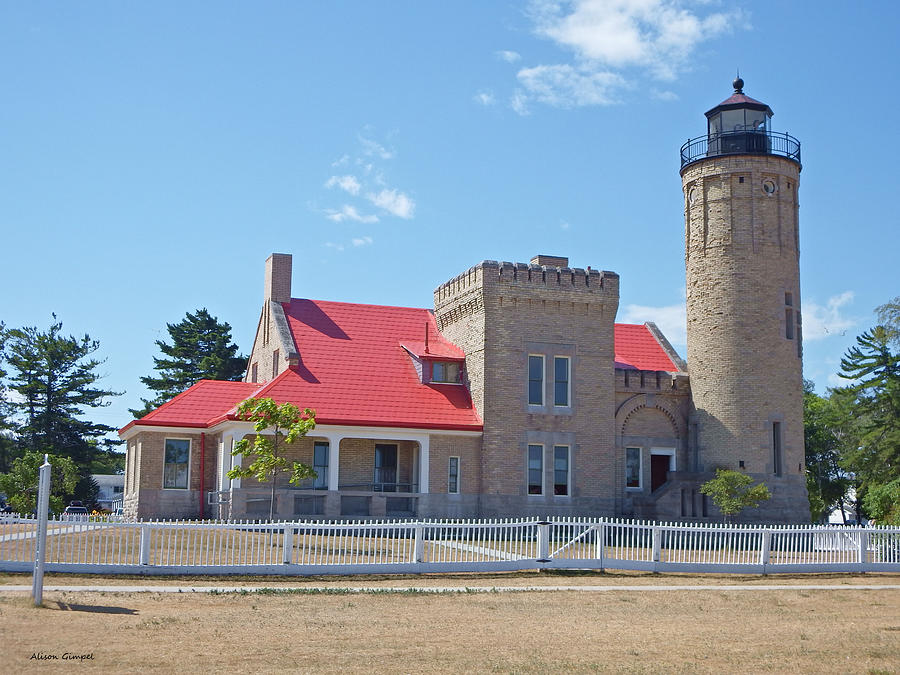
x: 637, y: 348
x: 197, y: 405
x: 355, y: 369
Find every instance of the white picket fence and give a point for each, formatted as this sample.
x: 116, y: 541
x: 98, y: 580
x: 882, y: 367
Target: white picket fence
x: 406, y: 546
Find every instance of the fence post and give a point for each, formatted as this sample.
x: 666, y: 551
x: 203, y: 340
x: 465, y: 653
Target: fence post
x: 657, y: 543
x: 863, y: 550
x: 145, y: 544
x: 601, y: 542
x: 419, y: 544
x: 543, y: 537
x: 765, y: 549
x: 288, y: 548
x: 40, y: 545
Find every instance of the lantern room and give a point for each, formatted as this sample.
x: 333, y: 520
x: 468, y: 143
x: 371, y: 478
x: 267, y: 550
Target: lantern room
x: 739, y: 124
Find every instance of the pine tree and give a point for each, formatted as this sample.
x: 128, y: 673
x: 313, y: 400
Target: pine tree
x: 875, y: 390
x: 8, y: 448
x: 54, y: 376
x: 200, y: 349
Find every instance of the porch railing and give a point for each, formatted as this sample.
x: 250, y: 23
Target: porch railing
x: 413, y: 546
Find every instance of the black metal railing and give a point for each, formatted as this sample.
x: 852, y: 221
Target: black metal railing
x: 740, y: 143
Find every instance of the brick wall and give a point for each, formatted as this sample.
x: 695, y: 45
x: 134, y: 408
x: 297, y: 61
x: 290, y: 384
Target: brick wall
x: 742, y: 251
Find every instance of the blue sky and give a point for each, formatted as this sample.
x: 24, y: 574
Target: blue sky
x: 153, y: 154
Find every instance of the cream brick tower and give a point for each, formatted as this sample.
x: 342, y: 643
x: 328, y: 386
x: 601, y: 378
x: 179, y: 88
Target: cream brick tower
x: 744, y: 352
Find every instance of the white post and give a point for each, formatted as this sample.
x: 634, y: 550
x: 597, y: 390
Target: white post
x: 334, y: 462
x: 145, y: 545
x: 863, y: 550
x: 288, y: 544
x: 40, y: 545
x: 419, y: 545
x: 423, y: 464
x: 657, y: 543
x: 543, y: 537
x: 600, y: 533
x: 765, y: 551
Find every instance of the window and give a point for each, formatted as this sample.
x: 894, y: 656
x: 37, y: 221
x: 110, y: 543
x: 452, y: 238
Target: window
x: 776, y: 448
x: 788, y: 323
x: 561, y: 469
x: 254, y: 372
x: 175, y: 470
x: 633, y: 468
x: 320, y: 465
x: 561, y: 381
x: 117, y: 489
x: 276, y: 357
x: 453, y: 476
x: 535, y: 380
x: 535, y: 469
x: 445, y: 371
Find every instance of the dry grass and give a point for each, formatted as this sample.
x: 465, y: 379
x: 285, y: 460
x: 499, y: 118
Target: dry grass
x: 854, y: 631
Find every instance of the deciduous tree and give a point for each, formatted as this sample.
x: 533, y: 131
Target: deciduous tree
x: 275, y: 426
x: 20, y: 484
x: 733, y: 491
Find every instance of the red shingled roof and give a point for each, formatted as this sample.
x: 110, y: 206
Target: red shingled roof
x: 197, y: 405
x: 355, y: 370
x: 637, y: 348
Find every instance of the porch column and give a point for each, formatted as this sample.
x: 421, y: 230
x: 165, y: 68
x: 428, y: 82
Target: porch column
x: 334, y: 461
x: 423, y: 464
x: 228, y: 462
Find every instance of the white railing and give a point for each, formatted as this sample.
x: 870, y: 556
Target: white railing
x: 109, y: 545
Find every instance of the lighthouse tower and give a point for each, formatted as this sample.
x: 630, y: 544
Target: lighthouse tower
x: 744, y: 327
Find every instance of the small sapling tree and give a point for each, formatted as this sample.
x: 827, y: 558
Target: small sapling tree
x: 275, y: 426
x: 733, y: 491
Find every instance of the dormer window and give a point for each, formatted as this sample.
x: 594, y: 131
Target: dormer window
x: 445, y: 371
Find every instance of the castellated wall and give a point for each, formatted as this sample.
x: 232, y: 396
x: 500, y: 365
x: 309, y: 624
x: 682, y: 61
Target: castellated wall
x: 499, y: 314
x: 743, y: 308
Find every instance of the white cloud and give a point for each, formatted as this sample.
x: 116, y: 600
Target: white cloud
x: 671, y: 320
x: 362, y: 241
x: 564, y: 86
x: 342, y: 161
x: 349, y: 212
x: 564, y: 225
x: 394, y: 202
x: 821, y: 322
x: 613, y: 42
x: 485, y: 98
x: 346, y: 183
x: 508, y: 55
x: 664, y: 95
x: 336, y: 247
x: 519, y: 102
x: 373, y: 148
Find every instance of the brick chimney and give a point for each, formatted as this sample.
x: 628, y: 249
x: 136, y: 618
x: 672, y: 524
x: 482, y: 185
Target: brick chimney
x: 550, y: 261
x: 278, y: 277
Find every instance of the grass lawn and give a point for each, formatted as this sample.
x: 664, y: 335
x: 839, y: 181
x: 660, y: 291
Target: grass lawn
x: 841, y: 631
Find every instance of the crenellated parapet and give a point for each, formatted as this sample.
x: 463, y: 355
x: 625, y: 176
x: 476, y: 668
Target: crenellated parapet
x: 629, y: 380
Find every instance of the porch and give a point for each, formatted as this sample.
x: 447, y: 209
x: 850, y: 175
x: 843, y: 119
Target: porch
x: 359, y: 473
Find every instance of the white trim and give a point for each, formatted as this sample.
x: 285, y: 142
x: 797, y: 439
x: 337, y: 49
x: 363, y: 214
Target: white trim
x: 187, y: 487
x: 665, y: 451
x: 424, y: 462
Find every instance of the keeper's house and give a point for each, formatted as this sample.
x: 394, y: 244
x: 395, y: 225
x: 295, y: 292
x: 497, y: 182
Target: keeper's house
x: 503, y: 401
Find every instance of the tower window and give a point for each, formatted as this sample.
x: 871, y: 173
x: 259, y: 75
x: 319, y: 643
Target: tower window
x: 561, y: 381
x: 776, y: 448
x: 788, y: 299
x: 789, y: 323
